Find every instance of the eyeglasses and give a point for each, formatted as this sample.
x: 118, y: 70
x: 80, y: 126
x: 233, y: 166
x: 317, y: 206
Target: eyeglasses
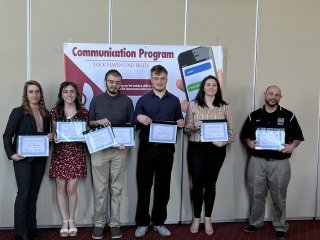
x: 111, y: 82
x: 161, y: 79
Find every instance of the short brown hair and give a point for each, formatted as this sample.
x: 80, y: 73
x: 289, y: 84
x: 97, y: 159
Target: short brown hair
x: 157, y: 69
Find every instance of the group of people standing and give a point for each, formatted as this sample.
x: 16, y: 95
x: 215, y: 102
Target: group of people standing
x: 267, y: 168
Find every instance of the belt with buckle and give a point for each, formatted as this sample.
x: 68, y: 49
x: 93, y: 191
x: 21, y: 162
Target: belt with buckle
x: 155, y: 144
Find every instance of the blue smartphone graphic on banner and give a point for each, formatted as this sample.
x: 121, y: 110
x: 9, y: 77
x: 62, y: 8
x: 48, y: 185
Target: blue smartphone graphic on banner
x: 195, y: 65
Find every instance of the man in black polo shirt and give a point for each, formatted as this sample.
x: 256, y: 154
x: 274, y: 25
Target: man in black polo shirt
x: 155, y: 160
x: 271, y: 134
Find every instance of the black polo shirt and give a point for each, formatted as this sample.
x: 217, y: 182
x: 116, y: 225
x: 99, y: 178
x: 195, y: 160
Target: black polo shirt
x: 281, y: 118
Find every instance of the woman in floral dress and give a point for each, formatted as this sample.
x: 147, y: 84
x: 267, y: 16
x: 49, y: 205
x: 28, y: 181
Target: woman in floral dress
x: 68, y: 162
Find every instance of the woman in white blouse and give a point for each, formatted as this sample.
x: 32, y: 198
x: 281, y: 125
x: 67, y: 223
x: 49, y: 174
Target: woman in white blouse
x: 206, y: 158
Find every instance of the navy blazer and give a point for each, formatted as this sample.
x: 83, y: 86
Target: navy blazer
x: 20, y: 123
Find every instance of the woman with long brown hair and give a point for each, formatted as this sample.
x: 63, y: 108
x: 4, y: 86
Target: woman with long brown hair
x: 205, y: 159
x: 68, y: 162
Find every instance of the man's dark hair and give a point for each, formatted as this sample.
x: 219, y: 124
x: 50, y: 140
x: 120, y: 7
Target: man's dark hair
x: 113, y: 72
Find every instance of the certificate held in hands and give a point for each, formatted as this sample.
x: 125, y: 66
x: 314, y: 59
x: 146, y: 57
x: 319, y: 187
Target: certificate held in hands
x: 70, y: 130
x: 99, y: 138
x: 214, y: 131
x: 124, y: 135
x: 163, y: 132
x: 270, y: 138
x: 33, y: 145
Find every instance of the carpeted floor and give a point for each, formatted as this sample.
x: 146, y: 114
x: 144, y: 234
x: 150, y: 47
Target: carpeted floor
x: 299, y: 230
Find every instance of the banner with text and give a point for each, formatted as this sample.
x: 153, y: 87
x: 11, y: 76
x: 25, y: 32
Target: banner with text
x: 87, y: 63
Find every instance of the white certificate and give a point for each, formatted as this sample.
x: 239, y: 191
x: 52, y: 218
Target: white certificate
x: 33, y: 146
x: 99, y: 139
x: 163, y: 132
x: 124, y: 135
x: 214, y: 131
x: 70, y: 131
x: 270, y: 138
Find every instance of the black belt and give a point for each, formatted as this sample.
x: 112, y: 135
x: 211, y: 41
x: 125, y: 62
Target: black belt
x: 269, y: 159
x: 155, y: 144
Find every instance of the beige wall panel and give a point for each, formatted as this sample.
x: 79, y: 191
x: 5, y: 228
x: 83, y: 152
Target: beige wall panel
x: 148, y: 22
x: 53, y: 23
x: 59, y: 21
x: 231, y: 24
x: 13, y: 66
x: 289, y: 57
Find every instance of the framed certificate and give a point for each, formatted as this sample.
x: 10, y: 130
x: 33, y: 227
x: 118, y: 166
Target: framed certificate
x: 33, y: 146
x: 70, y: 131
x: 214, y: 131
x: 163, y: 132
x: 99, y: 138
x: 124, y: 134
x: 270, y: 138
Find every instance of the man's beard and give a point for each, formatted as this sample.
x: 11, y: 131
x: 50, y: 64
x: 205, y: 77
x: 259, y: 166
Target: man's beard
x: 273, y: 104
x: 113, y: 91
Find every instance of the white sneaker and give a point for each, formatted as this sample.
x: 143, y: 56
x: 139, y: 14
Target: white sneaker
x: 163, y: 231
x: 141, y: 231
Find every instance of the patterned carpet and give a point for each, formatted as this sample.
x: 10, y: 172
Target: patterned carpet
x: 299, y: 230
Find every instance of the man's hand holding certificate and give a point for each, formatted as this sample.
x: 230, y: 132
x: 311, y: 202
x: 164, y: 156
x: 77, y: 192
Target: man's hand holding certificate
x: 124, y: 135
x: 99, y: 138
x: 163, y: 132
x: 270, y: 138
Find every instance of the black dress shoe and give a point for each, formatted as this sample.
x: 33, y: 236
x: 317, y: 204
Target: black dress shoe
x: 250, y: 229
x: 24, y: 237
x: 281, y: 235
x: 36, y: 233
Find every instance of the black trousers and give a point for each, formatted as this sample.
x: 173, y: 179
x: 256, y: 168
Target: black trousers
x: 154, y: 165
x: 205, y: 161
x: 28, y: 177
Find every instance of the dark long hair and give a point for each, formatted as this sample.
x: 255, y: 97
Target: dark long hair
x: 218, y: 100
x: 60, y: 101
x: 25, y: 102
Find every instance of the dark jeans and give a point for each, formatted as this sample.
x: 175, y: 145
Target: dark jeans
x: 28, y: 177
x: 205, y: 161
x: 154, y: 164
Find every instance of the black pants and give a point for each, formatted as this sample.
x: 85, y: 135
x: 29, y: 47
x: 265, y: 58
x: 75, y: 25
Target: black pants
x: 205, y: 161
x: 28, y: 177
x: 154, y: 164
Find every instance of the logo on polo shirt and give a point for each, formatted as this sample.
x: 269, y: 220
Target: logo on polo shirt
x: 280, y: 121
